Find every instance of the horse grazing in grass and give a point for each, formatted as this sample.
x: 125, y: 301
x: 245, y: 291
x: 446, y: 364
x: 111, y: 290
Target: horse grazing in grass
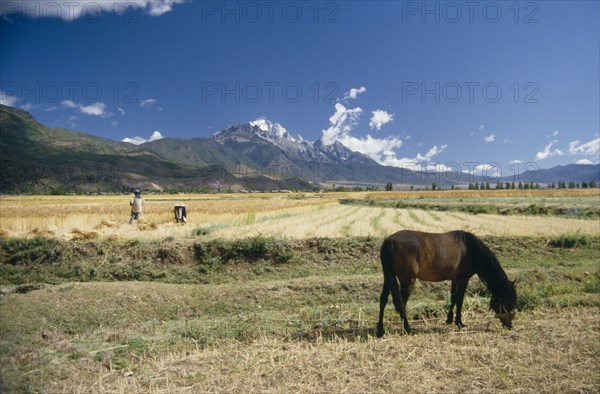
x: 455, y: 256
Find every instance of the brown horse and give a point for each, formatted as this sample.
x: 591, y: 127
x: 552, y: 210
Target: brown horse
x: 455, y: 256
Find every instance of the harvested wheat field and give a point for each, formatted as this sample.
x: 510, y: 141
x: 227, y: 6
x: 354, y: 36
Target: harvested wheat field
x: 280, y: 293
x: 300, y: 216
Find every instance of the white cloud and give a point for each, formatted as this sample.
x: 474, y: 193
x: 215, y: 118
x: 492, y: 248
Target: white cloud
x: 486, y: 170
x: 516, y: 161
x: 490, y: 138
x: 375, y: 148
x: 7, y: 99
x: 553, y: 134
x: 342, y: 121
x: 584, y: 161
x: 379, y: 118
x: 354, y: 92
x: 69, y: 104
x: 139, y: 140
x: 51, y: 108
x: 590, y: 148
x: 114, y: 123
x: 70, y: 10
x: 148, y: 102
x: 507, y: 141
x: 121, y: 110
x: 548, y: 152
x: 419, y: 162
x: 27, y: 107
x: 96, y: 109
x: 431, y: 153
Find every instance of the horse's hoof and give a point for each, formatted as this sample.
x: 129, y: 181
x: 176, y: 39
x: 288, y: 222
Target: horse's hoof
x: 448, y: 321
x: 380, y: 333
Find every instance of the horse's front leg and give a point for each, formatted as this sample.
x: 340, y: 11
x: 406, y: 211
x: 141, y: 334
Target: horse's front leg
x: 450, y: 317
x: 461, y: 287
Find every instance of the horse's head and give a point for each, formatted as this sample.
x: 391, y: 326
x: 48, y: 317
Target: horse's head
x: 504, y: 303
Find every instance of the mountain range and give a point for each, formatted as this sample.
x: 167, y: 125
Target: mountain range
x: 258, y: 155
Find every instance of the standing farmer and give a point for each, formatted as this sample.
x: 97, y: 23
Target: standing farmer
x: 137, y: 204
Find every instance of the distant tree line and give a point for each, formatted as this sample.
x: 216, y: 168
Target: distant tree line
x: 531, y: 185
x: 500, y: 185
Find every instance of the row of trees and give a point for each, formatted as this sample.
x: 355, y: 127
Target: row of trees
x: 530, y: 185
x: 510, y: 185
x: 573, y: 185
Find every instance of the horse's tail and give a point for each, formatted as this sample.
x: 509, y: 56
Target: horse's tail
x: 386, y: 255
x: 387, y: 264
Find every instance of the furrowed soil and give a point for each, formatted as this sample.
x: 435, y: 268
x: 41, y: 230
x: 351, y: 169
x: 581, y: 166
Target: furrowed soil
x: 279, y: 315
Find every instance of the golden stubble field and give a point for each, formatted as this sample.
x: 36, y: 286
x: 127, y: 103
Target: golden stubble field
x: 295, y: 216
x: 306, y: 325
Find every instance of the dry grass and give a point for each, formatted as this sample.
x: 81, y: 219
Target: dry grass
x: 78, y: 234
x: 36, y: 232
x: 106, y: 224
x: 303, y: 326
x: 20, y: 216
x: 548, y: 352
x: 291, y: 216
x: 126, y: 337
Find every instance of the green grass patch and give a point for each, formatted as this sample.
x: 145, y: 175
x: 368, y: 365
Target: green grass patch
x: 569, y: 240
x: 415, y: 218
x: 376, y: 223
x: 250, y: 217
x: 486, y: 206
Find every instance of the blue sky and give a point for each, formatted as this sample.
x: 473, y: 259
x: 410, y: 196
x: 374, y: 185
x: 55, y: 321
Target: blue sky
x: 499, y: 85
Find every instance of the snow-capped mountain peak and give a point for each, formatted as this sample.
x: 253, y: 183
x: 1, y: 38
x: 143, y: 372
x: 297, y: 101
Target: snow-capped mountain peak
x: 293, y: 147
x: 273, y: 130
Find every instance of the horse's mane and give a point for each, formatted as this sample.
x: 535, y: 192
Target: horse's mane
x: 484, y: 262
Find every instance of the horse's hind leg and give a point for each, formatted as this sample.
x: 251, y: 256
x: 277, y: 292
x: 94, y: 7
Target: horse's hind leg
x: 452, y: 303
x: 400, y: 306
x: 406, y: 288
x: 383, y: 299
x: 400, y: 297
